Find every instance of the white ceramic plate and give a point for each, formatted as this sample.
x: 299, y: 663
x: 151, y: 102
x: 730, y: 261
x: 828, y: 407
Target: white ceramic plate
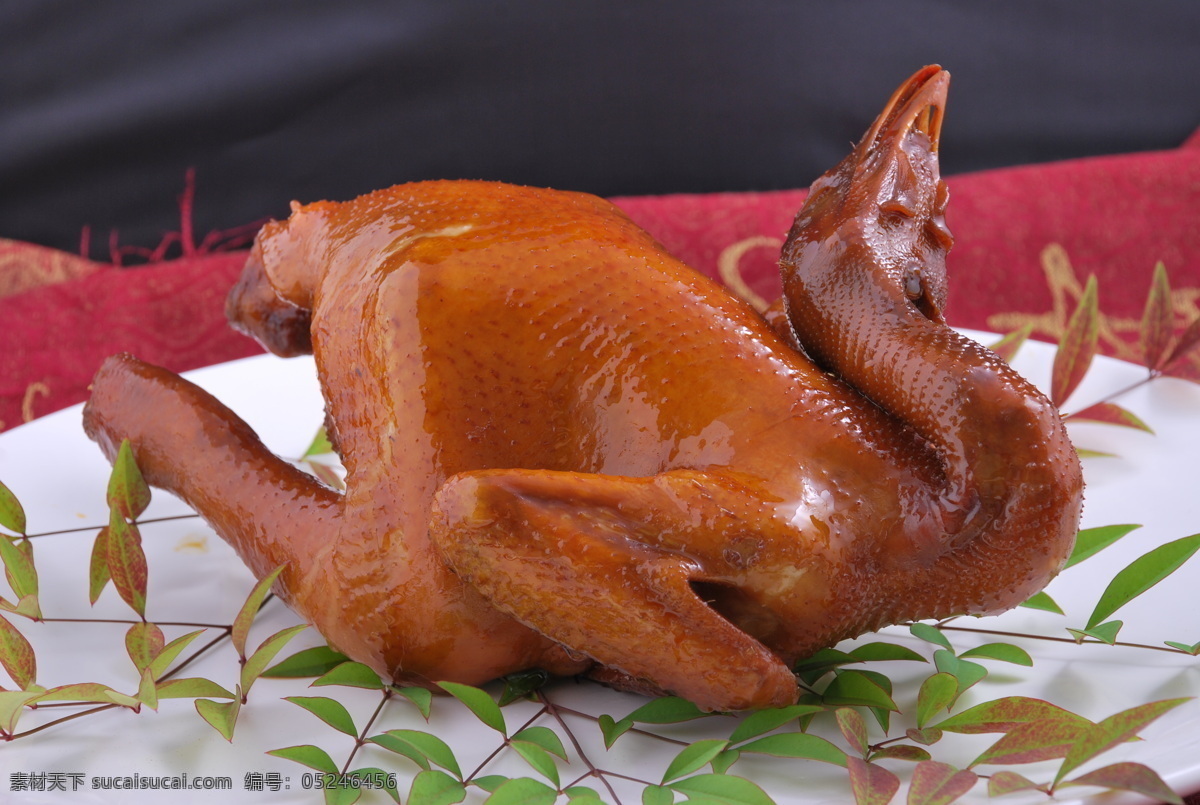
x: 60, y: 478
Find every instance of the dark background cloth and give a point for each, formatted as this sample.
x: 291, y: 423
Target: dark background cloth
x: 105, y: 106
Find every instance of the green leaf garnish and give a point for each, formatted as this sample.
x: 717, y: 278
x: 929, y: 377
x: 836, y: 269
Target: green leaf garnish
x: 937, y: 693
x: 796, y: 745
x: 331, y: 711
x: 1090, y: 541
x: 314, y: 757
x: 1004, y: 652
x: 1142, y: 574
x: 128, y: 493
x: 435, y: 787
x: 309, y: 662
x: 352, y: 675
x: 723, y: 788
x: 262, y: 656
x: 479, y: 703
x: 245, y: 615
x: 12, y: 516
x: 221, y: 716
x: 764, y: 721
x: 1043, y: 602
x: 422, y: 748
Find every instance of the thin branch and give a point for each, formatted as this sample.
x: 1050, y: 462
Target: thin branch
x: 553, y: 710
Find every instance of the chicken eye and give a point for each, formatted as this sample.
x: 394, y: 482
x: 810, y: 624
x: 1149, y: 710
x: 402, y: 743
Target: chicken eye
x: 897, y: 208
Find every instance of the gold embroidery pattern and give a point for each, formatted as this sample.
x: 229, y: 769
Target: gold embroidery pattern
x: 729, y: 269
x: 31, y: 393
x: 1118, y: 336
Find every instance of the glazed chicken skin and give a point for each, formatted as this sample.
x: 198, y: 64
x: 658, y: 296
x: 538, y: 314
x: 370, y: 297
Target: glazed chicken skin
x: 567, y: 450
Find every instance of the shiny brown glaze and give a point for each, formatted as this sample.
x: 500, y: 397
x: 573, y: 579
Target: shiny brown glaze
x: 566, y: 449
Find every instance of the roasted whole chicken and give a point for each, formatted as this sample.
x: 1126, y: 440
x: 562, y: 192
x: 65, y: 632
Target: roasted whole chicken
x: 566, y: 450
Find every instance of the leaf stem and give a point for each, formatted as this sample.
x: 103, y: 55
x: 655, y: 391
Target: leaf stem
x: 1071, y: 640
x: 553, y: 709
x: 361, y: 740
x: 98, y: 527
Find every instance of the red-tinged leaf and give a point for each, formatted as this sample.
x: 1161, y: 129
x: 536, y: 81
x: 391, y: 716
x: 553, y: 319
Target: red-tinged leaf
x: 1111, y: 731
x: 147, y: 690
x: 1158, y: 319
x: 12, y: 516
x: 191, y: 688
x: 127, y: 490
x: 16, y: 655
x: 1193, y: 649
x: 871, y: 784
x: 245, y: 616
x: 937, y: 693
x: 935, y: 783
x: 927, y: 736
x: 1002, y: 715
x: 1130, y: 777
x: 221, y: 716
x: 98, y: 575
x: 854, y: 729
x: 18, y: 566
x: 1179, y: 362
x: 1077, y: 347
x: 127, y: 562
x: 1009, y: 782
x: 1110, y: 414
x: 12, y: 705
x: 913, y: 754
x: 167, y: 654
x: 143, y: 642
x: 27, y: 606
x: 1142, y: 574
x: 1031, y: 743
x: 1008, y: 346
x: 81, y: 692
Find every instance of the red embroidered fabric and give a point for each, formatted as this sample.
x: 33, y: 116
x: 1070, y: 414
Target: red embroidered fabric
x: 1027, y: 240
